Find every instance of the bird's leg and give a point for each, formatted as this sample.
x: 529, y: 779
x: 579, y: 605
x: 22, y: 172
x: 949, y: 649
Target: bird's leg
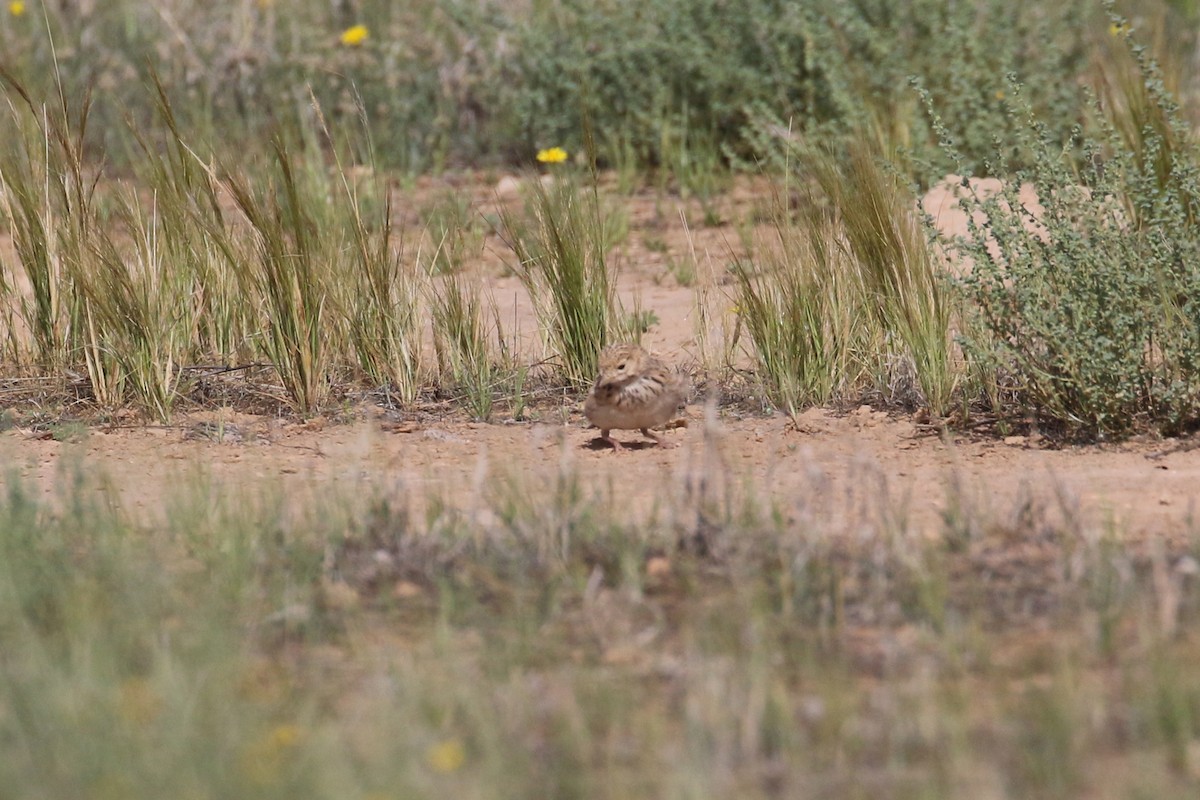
x: 658, y: 439
x: 615, y: 444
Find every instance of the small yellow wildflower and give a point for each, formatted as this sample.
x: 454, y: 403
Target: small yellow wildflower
x: 1000, y: 94
x: 263, y: 760
x: 352, y: 37
x: 283, y: 737
x: 446, y: 756
x: 1116, y: 30
x: 553, y: 155
x: 16, y: 8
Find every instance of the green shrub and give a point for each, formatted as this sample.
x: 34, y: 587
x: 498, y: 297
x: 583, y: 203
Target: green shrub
x: 641, y: 72
x: 446, y: 83
x: 1089, y: 302
x: 864, y: 57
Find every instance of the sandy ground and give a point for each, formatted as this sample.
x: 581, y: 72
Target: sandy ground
x: 835, y: 460
x: 1141, y: 487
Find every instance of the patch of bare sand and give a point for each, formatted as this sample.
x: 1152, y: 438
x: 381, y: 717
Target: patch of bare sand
x: 842, y: 464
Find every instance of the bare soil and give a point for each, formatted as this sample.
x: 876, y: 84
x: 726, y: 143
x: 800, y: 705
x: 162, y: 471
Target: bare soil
x: 1140, y: 487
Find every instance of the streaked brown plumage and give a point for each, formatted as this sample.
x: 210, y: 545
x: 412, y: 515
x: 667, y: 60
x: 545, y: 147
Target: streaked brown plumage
x: 634, y: 391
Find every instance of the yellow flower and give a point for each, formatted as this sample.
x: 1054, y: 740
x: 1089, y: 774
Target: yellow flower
x: 16, y: 8
x: 283, y: 737
x: 1116, y: 30
x: 354, y: 36
x: 999, y: 94
x: 553, y: 155
x: 263, y: 761
x: 446, y: 756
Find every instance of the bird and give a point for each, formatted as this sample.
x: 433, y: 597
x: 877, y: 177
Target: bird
x: 633, y: 391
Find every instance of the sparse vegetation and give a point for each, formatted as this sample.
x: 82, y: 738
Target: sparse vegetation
x: 286, y: 252
x: 847, y: 299
x: 452, y: 226
x: 803, y: 305
x: 561, y: 245
x: 461, y: 339
x: 302, y: 212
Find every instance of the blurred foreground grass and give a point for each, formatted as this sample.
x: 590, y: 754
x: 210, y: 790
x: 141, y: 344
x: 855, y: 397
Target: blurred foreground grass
x: 537, y: 642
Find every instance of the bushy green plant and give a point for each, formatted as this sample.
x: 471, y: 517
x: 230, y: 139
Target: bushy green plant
x: 1089, y: 298
x: 657, y: 69
x: 864, y: 56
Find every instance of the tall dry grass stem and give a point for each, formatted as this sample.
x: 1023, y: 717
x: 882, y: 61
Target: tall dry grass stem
x: 561, y: 245
x: 461, y: 339
x: 802, y: 305
x: 288, y: 277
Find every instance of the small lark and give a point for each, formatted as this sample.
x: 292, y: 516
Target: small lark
x: 634, y: 391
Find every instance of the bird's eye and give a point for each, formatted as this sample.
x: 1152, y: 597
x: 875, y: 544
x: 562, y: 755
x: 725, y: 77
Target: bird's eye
x: 621, y: 365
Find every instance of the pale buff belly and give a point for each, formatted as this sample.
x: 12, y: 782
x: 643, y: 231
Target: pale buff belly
x: 630, y: 417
